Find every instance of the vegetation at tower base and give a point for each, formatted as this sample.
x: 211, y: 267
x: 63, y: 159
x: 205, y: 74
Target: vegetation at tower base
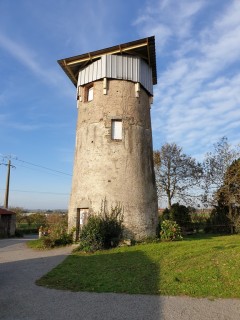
x: 53, y: 233
x: 102, y: 231
x: 57, y: 235
x: 177, y: 175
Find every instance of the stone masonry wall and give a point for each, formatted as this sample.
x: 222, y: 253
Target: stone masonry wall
x: 118, y: 171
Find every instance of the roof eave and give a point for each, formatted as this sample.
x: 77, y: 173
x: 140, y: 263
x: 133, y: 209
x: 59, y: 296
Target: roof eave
x: 75, y: 63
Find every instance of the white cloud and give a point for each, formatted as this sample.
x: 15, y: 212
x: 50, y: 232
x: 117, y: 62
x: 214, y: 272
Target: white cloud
x: 28, y: 58
x: 197, y: 97
x: 230, y: 18
x: 167, y: 19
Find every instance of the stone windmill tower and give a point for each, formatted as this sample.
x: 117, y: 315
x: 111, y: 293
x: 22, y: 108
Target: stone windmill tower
x: 113, y: 155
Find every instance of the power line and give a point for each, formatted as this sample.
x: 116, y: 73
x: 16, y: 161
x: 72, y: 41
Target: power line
x: 35, y: 165
x: 39, y: 170
x: 39, y: 166
x: 43, y: 192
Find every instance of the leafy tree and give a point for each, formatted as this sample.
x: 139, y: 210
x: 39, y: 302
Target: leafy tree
x: 181, y: 215
x: 221, y: 185
x: 55, y: 218
x: 39, y: 219
x: 215, y: 167
x: 166, y: 214
x: 218, y: 222
x: 21, y: 216
x: 228, y: 195
x: 177, y: 174
x: 178, y: 213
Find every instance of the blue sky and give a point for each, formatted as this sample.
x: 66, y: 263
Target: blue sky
x: 196, y: 99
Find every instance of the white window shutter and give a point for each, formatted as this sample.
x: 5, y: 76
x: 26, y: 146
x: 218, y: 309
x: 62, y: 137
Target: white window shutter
x: 90, y: 94
x: 117, y: 129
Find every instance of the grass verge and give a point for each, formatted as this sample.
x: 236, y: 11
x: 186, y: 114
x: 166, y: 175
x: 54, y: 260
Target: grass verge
x: 36, y: 244
x: 206, y: 266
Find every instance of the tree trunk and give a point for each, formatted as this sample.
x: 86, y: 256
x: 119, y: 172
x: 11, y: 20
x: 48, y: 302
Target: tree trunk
x: 169, y: 203
x: 231, y: 217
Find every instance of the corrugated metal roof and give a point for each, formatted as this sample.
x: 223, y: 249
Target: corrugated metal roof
x: 143, y: 48
x: 118, y: 67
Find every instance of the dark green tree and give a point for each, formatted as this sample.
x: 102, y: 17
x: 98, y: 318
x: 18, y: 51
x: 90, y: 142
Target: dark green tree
x: 215, y: 165
x: 181, y: 215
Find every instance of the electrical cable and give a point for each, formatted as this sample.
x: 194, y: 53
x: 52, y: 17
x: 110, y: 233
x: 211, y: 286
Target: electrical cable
x: 35, y: 165
x: 43, y: 192
x: 46, y: 168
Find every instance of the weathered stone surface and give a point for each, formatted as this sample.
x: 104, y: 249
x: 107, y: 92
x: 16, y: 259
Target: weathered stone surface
x: 118, y: 171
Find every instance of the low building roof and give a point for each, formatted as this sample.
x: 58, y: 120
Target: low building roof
x: 143, y: 48
x: 6, y: 211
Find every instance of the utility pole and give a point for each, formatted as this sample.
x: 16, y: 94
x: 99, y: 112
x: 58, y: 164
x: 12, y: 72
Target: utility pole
x: 9, y: 165
x: 7, y: 185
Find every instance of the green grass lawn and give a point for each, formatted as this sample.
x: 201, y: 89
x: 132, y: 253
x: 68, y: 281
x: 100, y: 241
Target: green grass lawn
x: 206, y: 266
x: 36, y: 244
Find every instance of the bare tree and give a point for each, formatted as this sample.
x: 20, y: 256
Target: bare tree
x: 177, y: 174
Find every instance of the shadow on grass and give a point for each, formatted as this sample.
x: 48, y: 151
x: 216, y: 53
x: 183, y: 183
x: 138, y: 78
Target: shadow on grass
x: 119, y: 272
x: 28, y: 301
x: 203, y: 236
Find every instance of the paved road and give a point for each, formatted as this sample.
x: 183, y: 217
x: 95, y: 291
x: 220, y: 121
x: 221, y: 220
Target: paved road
x: 21, y: 299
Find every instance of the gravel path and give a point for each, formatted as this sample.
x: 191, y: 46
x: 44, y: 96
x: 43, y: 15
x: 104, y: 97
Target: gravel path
x: 21, y: 299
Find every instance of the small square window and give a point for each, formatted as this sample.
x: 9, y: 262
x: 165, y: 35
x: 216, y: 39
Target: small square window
x: 89, y: 93
x: 116, y: 130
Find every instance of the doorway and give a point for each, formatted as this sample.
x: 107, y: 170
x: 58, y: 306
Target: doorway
x: 82, y: 216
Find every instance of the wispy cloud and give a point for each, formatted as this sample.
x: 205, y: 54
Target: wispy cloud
x: 28, y: 58
x: 197, y: 97
x: 167, y: 20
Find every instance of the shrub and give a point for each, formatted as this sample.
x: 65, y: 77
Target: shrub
x: 20, y: 232
x: 102, y: 231
x: 181, y: 215
x: 166, y: 214
x: 56, y: 235
x: 92, y: 234
x: 47, y: 242
x: 170, y: 231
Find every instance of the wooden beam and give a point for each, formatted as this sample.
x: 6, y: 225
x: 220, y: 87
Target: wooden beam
x: 70, y: 72
x: 91, y: 57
